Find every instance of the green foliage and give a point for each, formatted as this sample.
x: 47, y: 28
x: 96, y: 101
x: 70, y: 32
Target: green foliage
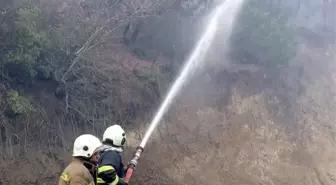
x: 18, y: 104
x: 31, y: 49
x: 262, y: 35
x: 27, y: 45
x: 39, y: 41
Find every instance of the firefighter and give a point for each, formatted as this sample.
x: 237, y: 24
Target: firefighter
x: 82, y: 169
x: 110, y: 166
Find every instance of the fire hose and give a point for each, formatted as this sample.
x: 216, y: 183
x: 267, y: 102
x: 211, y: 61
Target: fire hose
x: 133, y: 163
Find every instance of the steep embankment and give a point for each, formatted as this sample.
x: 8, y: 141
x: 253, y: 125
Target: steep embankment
x: 237, y: 125
x: 36, y: 147
x: 245, y: 129
x: 231, y: 127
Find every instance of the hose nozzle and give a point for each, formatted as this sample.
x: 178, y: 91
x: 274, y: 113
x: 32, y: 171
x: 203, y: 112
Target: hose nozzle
x: 133, y: 163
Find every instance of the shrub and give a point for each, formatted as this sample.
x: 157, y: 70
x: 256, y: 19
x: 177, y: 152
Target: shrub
x: 18, y: 104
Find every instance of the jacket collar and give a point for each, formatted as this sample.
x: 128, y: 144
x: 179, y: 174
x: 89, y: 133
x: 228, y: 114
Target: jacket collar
x: 111, y: 148
x: 88, y: 165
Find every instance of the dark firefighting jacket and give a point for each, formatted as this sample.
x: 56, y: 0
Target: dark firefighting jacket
x: 110, y: 168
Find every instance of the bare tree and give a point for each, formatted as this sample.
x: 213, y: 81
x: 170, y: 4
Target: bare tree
x: 95, y: 27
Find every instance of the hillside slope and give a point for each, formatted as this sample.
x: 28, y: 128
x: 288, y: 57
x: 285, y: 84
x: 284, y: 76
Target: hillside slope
x: 245, y: 130
x: 253, y: 116
x: 233, y: 126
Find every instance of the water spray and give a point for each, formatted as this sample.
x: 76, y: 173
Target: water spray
x: 190, y: 66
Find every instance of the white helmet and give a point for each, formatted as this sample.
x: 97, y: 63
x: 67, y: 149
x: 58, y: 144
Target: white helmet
x: 85, y: 145
x: 115, y: 136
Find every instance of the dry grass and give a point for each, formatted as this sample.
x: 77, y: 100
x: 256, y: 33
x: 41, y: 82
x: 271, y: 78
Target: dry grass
x: 235, y: 131
x: 253, y: 139
x: 33, y: 167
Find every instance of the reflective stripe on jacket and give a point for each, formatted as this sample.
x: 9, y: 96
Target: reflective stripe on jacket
x: 110, y: 169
